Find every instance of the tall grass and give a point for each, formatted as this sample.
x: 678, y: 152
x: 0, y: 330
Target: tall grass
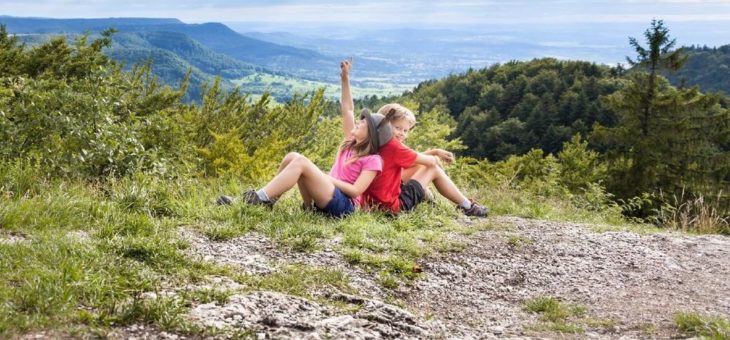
x: 693, y: 214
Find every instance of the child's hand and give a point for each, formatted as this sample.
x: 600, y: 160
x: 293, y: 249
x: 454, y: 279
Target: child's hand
x: 445, y: 156
x: 345, y: 67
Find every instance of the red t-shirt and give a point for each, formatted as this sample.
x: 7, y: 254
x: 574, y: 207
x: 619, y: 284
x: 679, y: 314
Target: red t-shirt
x: 384, y: 190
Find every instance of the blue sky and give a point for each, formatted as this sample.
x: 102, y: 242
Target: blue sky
x: 393, y: 13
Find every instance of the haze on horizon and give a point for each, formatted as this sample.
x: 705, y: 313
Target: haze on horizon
x: 487, y: 31
x: 391, y: 13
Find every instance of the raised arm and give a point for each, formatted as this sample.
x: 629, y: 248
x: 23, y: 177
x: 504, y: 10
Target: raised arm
x: 356, y: 189
x: 347, y: 106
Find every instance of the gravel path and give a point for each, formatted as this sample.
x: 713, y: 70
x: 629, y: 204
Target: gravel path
x: 629, y: 284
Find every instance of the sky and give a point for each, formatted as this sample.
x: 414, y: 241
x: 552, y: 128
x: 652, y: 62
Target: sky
x: 372, y: 12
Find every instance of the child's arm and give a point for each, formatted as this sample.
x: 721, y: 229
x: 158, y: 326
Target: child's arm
x: 356, y: 189
x: 347, y: 105
x: 428, y: 160
x: 445, y: 156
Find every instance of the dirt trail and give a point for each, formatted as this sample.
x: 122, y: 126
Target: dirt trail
x: 629, y: 285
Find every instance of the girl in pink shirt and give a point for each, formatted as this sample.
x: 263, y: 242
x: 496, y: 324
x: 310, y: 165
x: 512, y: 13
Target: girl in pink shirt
x: 355, y: 167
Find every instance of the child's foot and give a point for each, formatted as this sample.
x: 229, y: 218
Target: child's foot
x: 252, y: 198
x: 476, y: 209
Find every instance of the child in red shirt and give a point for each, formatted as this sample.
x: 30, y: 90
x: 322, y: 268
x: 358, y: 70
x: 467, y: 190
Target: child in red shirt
x: 402, y: 121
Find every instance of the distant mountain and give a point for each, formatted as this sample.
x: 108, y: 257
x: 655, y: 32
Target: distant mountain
x: 219, y: 38
x: 187, y: 49
x: 173, y: 54
x: 707, y: 67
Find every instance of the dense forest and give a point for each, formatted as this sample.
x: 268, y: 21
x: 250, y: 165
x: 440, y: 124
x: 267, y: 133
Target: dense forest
x: 706, y: 67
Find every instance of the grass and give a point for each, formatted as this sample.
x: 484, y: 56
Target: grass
x: 55, y: 281
x: 696, y: 324
x: 517, y: 241
x: 556, y: 315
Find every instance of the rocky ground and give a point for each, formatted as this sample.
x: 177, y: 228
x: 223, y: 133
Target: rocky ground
x: 629, y: 285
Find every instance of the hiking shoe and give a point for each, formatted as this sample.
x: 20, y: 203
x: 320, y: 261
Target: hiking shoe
x: 224, y: 200
x: 252, y: 198
x: 476, y: 209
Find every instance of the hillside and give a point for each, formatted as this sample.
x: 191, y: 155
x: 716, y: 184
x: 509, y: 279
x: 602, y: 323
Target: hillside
x: 172, y: 54
x: 708, y: 68
x: 511, y: 108
x: 218, y: 37
x: 608, y: 284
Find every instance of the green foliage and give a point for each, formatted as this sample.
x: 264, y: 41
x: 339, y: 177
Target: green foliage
x: 250, y: 140
x: 696, y: 324
x: 76, y: 113
x: 509, y: 109
x: 11, y: 54
x: 659, y: 54
x: 667, y: 139
x: 579, y: 166
x: 705, y: 67
x: 684, y: 148
x: 432, y: 129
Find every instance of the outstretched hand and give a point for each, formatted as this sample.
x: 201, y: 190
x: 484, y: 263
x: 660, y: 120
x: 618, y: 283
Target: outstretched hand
x: 345, y: 67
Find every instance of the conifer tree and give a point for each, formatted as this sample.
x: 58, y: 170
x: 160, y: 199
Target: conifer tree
x: 667, y: 139
x: 659, y: 56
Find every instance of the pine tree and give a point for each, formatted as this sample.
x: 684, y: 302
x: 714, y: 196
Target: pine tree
x: 667, y: 139
x: 659, y: 56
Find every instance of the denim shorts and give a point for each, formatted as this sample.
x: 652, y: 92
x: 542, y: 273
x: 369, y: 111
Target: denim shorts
x: 340, y: 205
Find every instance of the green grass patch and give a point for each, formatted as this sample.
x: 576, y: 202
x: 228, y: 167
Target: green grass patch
x: 299, y: 280
x: 556, y: 316
x: 517, y: 241
x: 696, y: 324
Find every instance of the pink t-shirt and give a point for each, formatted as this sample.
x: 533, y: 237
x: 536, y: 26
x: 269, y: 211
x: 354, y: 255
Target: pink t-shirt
x: 349, y: 172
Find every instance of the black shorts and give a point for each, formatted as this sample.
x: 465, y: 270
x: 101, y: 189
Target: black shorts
x: 411, y: 193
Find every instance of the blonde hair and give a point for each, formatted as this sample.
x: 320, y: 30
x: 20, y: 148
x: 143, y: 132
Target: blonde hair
x: 395, y: 111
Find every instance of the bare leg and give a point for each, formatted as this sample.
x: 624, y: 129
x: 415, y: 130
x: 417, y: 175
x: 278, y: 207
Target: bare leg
x: 428, y: 174
x: 408, y: 173
x: 306, y: 198
x: 287, y: 159
x: 313, y: 183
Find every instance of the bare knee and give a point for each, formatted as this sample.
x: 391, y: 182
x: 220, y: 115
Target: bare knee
x: 290, y: 156
x: 300, y: 160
